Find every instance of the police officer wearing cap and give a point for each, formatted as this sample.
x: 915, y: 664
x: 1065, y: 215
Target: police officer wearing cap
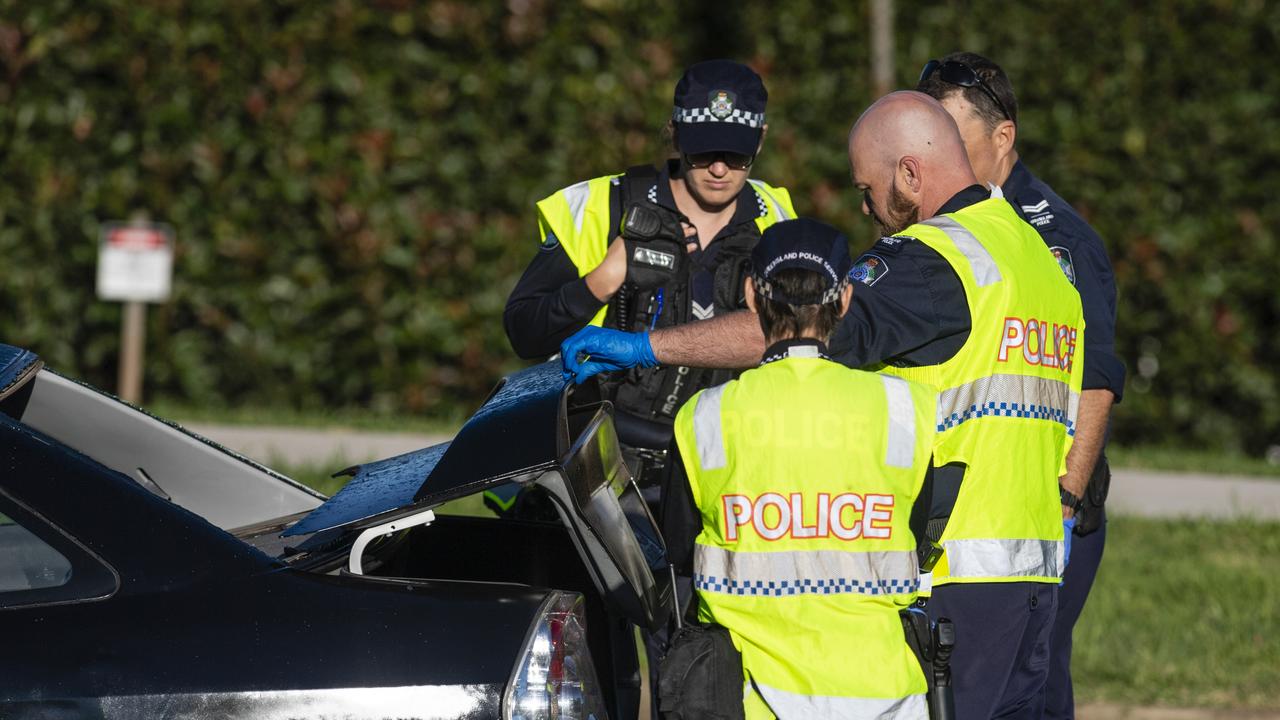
x: 978, y: 94
x: 652, y: 248
x: 960, y: 293
x: 791, y: 495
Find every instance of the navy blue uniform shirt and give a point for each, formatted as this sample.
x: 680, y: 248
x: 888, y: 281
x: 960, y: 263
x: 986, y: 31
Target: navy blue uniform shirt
x: 1084, y: 259
x: 550, y: 302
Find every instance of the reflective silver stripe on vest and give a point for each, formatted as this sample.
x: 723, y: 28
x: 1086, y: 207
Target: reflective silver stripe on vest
x: 817, y: 572
x: 1003, y: 558
x: 789, y: 706
x: 901, y: 448
x: 706, y: 429
x: 985, y: 271
x: 1024, y: 396
x: 777, y: 206
x: 576, y: 196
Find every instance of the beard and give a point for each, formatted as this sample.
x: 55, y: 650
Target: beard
x: 899, y: 215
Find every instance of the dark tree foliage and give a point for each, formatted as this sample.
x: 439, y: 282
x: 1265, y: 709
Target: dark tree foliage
x: 352, y: 182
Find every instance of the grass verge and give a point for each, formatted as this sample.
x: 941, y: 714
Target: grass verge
x: 1183, y: 613
x: 1203, y: 461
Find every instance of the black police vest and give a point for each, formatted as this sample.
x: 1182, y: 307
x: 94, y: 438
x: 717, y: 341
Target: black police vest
x: 656, y: 394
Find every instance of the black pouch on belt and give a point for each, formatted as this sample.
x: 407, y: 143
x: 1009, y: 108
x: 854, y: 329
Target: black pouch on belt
x: 655, y: 247
x: 701, y: 676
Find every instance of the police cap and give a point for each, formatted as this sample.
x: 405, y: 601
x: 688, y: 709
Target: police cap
x: 719, y: 107
x: 806, y: 244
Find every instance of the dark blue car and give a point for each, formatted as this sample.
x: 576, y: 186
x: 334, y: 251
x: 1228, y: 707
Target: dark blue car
x: 146, y: 572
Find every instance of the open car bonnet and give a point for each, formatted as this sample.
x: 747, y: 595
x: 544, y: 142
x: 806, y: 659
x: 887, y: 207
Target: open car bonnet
x: 533, y: 430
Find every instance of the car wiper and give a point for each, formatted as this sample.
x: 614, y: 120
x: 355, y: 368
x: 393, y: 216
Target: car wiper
x: 145, y: 481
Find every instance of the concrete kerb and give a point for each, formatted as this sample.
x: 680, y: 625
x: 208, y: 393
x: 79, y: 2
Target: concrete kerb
x: 1154, y: 493
x: 297, y: 446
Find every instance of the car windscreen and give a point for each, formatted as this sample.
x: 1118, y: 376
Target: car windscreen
x: 223, y: 487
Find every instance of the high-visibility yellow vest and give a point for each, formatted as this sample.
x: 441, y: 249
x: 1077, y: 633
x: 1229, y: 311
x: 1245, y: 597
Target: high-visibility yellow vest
x: 1007, y: 400
x: 804, y: 473
x: 579, y: 218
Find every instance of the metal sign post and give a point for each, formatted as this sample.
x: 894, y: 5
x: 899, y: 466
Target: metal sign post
x: 133, y: 340
x: 135, y: 265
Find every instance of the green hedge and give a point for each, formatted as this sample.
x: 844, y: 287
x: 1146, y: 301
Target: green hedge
x: 352, y: 182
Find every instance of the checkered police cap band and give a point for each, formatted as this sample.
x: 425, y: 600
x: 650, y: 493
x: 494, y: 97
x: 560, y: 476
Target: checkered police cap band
x: 767, y: 289
x: 703, y: 115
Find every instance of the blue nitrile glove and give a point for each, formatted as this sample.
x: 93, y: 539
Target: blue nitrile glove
x: 594, y: 350
x: 1068, y: 525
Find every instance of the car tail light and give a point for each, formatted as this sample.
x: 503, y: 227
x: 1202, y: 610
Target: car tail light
x: 554, y: 677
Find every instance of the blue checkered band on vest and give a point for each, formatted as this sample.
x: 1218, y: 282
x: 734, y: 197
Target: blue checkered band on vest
x: 701, y: 115
x: 805, y: 586
x: 1009, y: 409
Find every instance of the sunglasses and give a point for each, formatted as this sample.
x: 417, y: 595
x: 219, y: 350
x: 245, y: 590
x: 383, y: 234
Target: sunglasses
x: 957, y: 73
x: 735, y: 161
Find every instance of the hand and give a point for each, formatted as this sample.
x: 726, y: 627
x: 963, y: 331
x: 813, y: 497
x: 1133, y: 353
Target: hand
x: 594, y: 350
x: 607, y: 277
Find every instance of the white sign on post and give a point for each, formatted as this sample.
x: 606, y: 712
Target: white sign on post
x: 135, y: 262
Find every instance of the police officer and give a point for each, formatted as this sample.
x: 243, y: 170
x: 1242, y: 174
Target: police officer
x: 962, y: 294
x: 978, y: 94
x: 686, y: 231
x: 791, y: 507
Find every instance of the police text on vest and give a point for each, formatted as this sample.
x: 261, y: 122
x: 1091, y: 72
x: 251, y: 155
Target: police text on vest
x: 847, y: 516
x: 1043, y: 343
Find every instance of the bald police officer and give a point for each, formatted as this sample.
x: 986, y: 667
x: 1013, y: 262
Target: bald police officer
x: 978, y: 94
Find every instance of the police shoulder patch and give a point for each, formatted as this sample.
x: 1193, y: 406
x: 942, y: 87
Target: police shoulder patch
x: 1063, y: 256
x: 869, y: 269
x: 550, y: 242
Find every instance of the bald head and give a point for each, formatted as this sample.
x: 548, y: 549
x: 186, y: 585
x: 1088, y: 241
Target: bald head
x: 906, y: 150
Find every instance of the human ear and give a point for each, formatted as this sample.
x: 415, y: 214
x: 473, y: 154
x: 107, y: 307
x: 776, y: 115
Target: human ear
x: 909, y: 174
x: 1004, y: 136
x: 749, y: 290
x: 845, y: 296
